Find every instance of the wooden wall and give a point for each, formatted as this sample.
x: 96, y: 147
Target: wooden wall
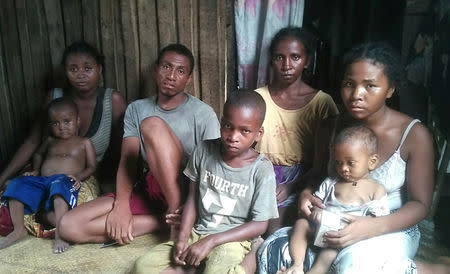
x: 34, y: 33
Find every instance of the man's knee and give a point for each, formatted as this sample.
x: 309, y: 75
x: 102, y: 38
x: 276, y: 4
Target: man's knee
x: 152, y: 123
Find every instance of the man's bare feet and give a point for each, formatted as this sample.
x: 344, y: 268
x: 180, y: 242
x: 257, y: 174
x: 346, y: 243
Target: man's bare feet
x: 60, y: 245
x: 15, y: 236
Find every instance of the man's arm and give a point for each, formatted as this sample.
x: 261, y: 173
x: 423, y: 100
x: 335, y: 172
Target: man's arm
x: 198, y: 251
x: 119, y: 220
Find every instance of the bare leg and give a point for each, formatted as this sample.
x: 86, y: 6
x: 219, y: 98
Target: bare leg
x: 249, y: 261
x: 16, y: 209
x: 323, y: 261
x: 297, y: 245
x: 164, y: 153
x: 60, y: 207
x: 93, y: 217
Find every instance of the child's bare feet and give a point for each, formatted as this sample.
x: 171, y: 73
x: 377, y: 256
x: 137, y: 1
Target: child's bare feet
x: 249, y: 261
x: 256, y: 243
x: 294, y: 269
x: 13, y: 237
x: 60, y: 245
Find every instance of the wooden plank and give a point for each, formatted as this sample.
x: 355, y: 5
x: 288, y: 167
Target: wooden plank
x: 209, y: 50
x: 56, y: 40
x: 91, y: 27
x: 40, y: 54
x: 6, y: 112
x: 187, y: 22
x: 73, y: 23
x: 25, y: 48
x: 108, y: 45
x: 167, y: 25
x: 119, y: 58
x: 131, y: 48
x: 231, y: 65
x: 148, y: 45
x: 13, y: 65
x: 222, y: 55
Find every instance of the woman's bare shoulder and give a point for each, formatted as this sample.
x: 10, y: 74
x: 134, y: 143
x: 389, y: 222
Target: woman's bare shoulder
x: 118, y: 102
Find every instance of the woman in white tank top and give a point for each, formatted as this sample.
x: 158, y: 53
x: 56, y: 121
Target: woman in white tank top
x: 387, y: 244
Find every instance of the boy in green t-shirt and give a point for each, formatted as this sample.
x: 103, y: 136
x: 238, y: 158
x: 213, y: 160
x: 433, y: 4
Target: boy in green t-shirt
x: 231, y: 198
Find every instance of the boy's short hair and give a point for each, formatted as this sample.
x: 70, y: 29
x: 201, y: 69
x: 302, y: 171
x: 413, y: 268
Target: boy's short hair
x: 359, y: 133
x: 62, y: 102
x: 179, y: 49
x: 248, y: 99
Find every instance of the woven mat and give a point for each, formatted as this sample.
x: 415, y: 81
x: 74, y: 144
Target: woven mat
x: 34, y: 255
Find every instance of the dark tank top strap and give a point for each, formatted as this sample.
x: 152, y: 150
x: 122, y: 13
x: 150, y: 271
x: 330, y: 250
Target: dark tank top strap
x: 97, y: 116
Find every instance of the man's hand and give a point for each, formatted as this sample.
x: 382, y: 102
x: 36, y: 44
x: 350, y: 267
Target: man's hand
x: 197, y: 252
x: 119, y: 224
x: 174, y: 218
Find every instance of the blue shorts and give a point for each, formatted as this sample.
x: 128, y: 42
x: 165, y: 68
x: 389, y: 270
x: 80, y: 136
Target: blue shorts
x: 37, y: 192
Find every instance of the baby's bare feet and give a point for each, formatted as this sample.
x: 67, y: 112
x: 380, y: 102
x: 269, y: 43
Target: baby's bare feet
x: 60, y: 246
x: 15, y: 236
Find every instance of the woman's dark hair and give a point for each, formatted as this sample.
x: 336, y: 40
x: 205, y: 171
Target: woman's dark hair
x: 379, y: 53
x: 306, y: 38
x: 179, y: 49
x: 81, y: 47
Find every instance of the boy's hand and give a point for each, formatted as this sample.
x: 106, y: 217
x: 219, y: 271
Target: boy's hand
x: 75, y: 181
x: 31, y: 173
x: 119, y: 224
x: 197, y: 252
x: 178, y: 249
